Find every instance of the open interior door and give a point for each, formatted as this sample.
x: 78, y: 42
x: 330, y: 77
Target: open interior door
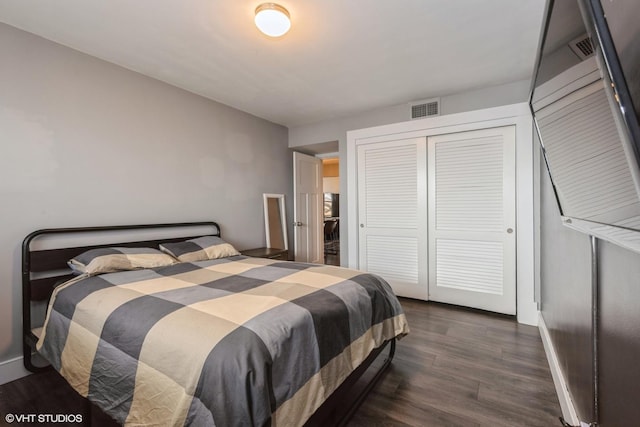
x: 307, y: 211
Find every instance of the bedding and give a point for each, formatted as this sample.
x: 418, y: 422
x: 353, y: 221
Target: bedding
x: 108, y: 260
x: 199, y: 249
x: 230, y: 341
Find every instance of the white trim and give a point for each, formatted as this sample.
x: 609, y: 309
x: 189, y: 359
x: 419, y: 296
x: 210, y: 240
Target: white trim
x: 525, y: 218
x: 566, y: 403
x: 12, y: 369
x: 333, y: 154
x: 515, y: 114
x: 459, y: 122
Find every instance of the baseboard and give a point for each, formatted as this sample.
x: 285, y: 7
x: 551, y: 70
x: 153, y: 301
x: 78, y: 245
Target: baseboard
x: 566, y: 403
x: 528, y: 313
x: 11, y: 370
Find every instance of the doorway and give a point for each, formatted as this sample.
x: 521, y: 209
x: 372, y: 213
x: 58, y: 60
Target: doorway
x: 316, y: 172
x: 331, y: 209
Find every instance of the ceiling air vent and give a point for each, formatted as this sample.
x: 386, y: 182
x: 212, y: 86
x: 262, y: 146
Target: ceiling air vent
x: 427, y: 108
x: 582, y: 47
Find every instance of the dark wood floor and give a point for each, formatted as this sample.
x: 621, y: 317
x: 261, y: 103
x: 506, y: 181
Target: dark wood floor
x: 456, y: 368
x: 460, y: 367
x: 332, y: 252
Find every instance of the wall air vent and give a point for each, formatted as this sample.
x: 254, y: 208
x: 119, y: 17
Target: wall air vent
x: 422, y: 109
x: 582, y: 47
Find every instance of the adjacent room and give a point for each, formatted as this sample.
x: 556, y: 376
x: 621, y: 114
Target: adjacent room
x: 320, y: 213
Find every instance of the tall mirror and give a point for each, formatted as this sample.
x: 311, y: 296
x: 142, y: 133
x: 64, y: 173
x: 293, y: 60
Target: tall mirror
x: 275, y: 222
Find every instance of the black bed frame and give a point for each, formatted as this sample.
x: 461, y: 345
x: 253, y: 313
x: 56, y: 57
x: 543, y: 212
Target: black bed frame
x: 43, y: 270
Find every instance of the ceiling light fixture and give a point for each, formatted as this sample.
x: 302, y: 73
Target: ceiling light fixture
x: 272, y: 19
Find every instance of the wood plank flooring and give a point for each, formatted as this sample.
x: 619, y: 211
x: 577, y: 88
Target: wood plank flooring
x: 461, y: 367
x: 46, y: 393
x: 458, y: 367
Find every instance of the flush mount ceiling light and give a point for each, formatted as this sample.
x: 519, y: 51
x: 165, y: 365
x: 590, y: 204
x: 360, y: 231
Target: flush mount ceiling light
x: 272, y: 19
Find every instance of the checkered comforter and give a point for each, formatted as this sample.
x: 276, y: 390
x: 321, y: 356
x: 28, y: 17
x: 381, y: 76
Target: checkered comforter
x: 233, y: 341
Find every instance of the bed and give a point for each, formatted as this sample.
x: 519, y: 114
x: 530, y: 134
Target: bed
x: 225, y: 340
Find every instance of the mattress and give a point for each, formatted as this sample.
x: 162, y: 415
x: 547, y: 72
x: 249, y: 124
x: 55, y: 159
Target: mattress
x: 232, y: 341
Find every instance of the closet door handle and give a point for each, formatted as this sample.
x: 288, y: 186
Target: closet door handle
x: 509, y: 230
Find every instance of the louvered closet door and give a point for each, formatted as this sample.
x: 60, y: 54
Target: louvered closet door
x: 588, y: 163
x: 472, y: 219
x: 392, y: 197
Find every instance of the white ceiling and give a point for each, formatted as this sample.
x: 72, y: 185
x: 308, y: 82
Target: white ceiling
x: 341, y: 57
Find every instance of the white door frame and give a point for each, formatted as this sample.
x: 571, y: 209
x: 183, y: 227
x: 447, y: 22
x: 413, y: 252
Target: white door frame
x: 515, y: 114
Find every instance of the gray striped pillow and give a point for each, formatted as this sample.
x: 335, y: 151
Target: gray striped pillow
x: 200, y: 249
x: 109, y: 260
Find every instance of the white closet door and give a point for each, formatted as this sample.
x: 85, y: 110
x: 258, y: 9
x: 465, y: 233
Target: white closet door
x: 472, y: 240
x: 392, y: 206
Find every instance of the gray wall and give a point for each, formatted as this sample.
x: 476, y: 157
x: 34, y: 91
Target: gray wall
x: 566, y: 308
x: 565, y: 296
x: 336, y: 130
x: 84, y: 142
x: 619, y: 334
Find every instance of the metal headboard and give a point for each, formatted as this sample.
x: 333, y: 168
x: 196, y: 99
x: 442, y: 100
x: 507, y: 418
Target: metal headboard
x: 50, y: 265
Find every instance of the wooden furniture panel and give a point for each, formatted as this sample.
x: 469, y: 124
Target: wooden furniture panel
x: 271, y: 253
